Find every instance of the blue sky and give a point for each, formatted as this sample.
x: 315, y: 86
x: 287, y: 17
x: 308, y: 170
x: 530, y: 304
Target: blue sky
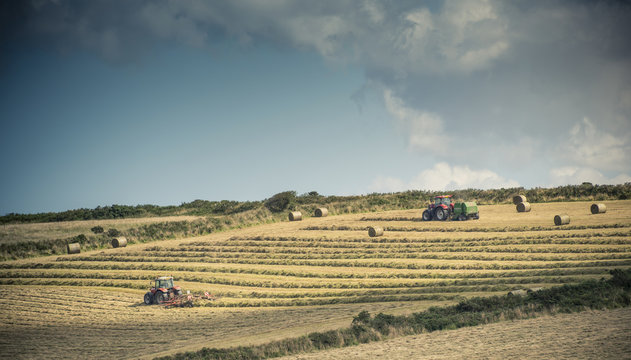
x: 165, y: 102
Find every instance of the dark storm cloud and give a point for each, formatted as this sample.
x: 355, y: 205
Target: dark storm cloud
x: 517, y: 81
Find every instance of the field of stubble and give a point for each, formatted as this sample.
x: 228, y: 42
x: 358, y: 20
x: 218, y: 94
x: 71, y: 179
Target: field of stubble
x: 288, y: 279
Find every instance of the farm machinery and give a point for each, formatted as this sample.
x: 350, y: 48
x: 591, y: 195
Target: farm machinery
x: 163, y: 292
x: 443, y: 208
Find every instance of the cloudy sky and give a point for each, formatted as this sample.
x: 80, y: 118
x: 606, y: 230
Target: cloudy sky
x: 164, y: 102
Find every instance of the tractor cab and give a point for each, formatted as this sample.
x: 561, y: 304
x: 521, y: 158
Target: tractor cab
x: 441, y: 209
x: 164, y: 283
x: 444, y: 200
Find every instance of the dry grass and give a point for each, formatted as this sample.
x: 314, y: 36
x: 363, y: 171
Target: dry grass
x: 58, y: 230
x: 593, y: 335
x: 279, y: 280
x: 85, y: 322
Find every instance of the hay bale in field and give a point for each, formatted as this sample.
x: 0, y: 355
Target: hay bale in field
x: 321, y: 212
x: 295, y: 216
x: 374, y: 231
x: 523, y: 207
x: 520, y: 292
x: 518, y: 199
x: 74, y: 248
x: 119, y: 242
x: 562, y: 219
x: 598, y: 208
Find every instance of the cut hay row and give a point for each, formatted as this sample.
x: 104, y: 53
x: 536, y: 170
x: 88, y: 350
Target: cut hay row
x: 495, y: 262
x: 74, y: 278
x: 314, y: 273
x: 260, y: 246
x: 470, y: 229
x: 489, y: 266
x: 363, y: 240
x: 403, y: 243
x: 397, y: 251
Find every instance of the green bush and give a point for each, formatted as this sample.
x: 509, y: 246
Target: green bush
x: 281, y: 201
x: 113, y: 232
x: 97, y: 229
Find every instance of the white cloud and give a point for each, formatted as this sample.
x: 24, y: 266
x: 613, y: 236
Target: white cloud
x: 587, y: 146
x: 572, y: 175
x: 424, y: 129
x: 445, y: 177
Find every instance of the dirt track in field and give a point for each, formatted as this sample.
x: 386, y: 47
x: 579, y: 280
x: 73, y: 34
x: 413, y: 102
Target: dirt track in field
x: 586, y: 335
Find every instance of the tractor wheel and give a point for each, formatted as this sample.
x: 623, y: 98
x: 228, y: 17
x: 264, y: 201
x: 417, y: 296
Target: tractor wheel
x: 476, y: 216
x: 158, y: 298
x: 441, y: 214
x: 427, y: 215
x: 462, y: 217
x: 148, y: 298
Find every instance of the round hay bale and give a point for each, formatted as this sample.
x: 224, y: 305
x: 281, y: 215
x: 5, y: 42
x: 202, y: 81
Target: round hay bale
x: 598, y: 208
x: 119, y: 242
x: 518, y: 199
x: 374, y: 231
x: 74, y: 248
x: 295, y: 216
x: 523, y: 207
x: 321, y: 212
x: 562, y: 219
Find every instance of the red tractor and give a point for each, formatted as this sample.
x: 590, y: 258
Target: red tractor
x: 441, y: 209
x: 163, y: 290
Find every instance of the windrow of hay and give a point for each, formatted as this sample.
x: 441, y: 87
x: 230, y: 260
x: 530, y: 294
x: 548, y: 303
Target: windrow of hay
x: 119, y: 242
x: 519, y: 292
x: 374, y: 231
x: 562, y: 219
x: 321, y: 212
x: 74, y: 248
x: 295, y: 216
x: 518, y: 199
x: 523, y: 207
x: 598, y: 208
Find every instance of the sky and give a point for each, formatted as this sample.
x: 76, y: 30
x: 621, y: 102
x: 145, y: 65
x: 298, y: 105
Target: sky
x: 164, y: 102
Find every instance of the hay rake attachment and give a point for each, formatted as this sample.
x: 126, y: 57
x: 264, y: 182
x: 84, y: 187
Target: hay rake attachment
x: 186, y: 300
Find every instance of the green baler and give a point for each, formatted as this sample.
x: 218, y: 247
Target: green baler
x: 465, y: 210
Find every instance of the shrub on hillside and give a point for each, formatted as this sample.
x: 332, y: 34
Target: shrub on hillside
x: 281, y: 201
x: 97, y: 229
x: 113, y: 232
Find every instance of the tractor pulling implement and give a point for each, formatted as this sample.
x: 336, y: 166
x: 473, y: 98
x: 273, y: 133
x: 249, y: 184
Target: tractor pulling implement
x: 444, y: 208
x: 164, y: 293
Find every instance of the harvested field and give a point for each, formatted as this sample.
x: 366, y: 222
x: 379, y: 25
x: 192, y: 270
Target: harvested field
x: 290, y: 278
x: 593, y: 335
x: 87, y: 322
